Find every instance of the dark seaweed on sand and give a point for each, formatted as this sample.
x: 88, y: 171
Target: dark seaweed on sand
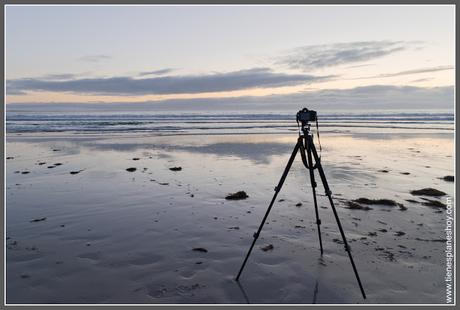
x: 434, y: 203
x: 402, y: 207
x: 202, y: 250
x: 448, y: 178
x: 356, y: 206
x: 384, y: 202
x: 237, y: 196
x: 38, y: 220
x: 427, y: 192
x: 267, y: 248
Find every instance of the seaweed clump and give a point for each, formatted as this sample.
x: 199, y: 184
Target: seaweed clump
x: 237, y: 196
x: 428, y: 192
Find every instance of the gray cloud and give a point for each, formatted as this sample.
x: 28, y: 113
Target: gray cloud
x: 421, y: 80
x: 62, y: 76
x: 359, y: 98
x: 236, y: 80
x: 408, y: 72
x: 94, y: 58
x: 156, y: 72
x: 313, y: 57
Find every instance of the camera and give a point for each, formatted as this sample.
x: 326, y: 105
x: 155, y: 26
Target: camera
x: 305, y: 116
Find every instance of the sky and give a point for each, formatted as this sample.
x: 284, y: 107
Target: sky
x: 205, y: 56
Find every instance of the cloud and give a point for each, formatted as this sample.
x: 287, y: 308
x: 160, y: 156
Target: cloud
x: 313, y: 57
x: 216, y: 82
x: 62, y: 76
x: 421, y: 80
x: 364, y: 98
x: 156, y: 72
x: 408, y: 72
x: 94, y: 58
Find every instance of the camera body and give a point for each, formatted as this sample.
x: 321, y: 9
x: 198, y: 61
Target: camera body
x: 305, y: 116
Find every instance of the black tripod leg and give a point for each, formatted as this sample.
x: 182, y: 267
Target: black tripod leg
x: 313, y: 187
x: 277, y: 190
x: 329, y: 195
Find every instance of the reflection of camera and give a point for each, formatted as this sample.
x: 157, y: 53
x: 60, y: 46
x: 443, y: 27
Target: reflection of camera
x: 305, y: 116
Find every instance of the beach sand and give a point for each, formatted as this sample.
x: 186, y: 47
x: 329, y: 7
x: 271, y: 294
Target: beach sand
x: 89, y: 231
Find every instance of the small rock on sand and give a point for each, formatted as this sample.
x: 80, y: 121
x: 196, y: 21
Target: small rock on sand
x: 427, y: 192
x: 384, y: 171
x: 131, y: 169
x: 202, y: 250
x: 136, y: 158
x: 267, y: 248
x: 10, y: 157
x: 399, y: 233
x: 405, y: 173
x: 237, y: 196
x: 76, y: 172
x: 175, y: 168
x: 25, y: 172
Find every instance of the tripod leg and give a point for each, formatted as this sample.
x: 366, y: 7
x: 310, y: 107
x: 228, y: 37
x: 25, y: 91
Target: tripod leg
x: 329, y: 195
x: 313, y: 187
x: 277, y: 190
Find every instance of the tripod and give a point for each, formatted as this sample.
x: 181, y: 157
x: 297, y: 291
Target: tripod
x: 305, y: 143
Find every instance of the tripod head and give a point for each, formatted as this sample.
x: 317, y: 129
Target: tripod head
x: 305, y: 116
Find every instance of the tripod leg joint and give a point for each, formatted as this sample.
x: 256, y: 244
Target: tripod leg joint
x: 256, y: 235
x: 329, y: 192
x: 347, y: 248
x: 318, y: 222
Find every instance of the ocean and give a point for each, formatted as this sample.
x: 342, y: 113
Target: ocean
x: 221, y: 123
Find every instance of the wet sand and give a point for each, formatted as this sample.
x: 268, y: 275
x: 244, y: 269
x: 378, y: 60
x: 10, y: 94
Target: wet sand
x: 82, y: 227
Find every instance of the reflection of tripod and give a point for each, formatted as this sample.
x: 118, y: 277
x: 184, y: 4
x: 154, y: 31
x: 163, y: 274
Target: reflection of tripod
x: 307, y: 136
